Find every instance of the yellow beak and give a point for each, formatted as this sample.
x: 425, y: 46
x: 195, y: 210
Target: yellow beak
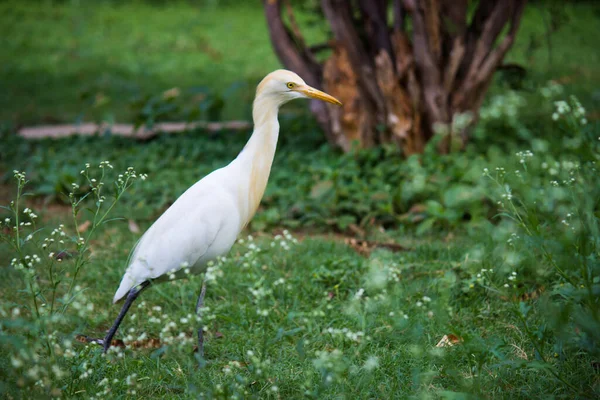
x: 317, y: 94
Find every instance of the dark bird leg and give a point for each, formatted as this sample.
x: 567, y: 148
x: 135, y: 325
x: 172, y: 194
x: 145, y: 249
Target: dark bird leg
x: 131, y: 296
x: 199, y: 305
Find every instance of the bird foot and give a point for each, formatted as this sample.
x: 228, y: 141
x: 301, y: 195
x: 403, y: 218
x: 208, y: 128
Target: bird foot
x: 100, y: 342
x: 87, y: 339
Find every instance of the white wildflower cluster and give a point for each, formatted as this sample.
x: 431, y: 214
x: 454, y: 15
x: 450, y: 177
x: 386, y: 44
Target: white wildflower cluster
x: 32, y: 259
x: 562, y: 108
x: 79, y: 302
x: 17, y: 264
x: 96, y: 186
x: 69, y: 351
x: 232, y: 366
x: 105, y: 164
x: 260, y: 294
x: 359, y: 294
x: 263, y: 312
x: 19, y: 176
x: 400, y: 314
x: 258, y: 366
x: 512, y: 239
x: 569, y: 165
x: 30, y: 367
x: 284, y: 241
x: 29, y: 212
x: 316, y: 313
x: 278, y: 282
x: 57, y: 235
x: 132, y: 383
x: 371, y: 363
x: 504, y: 106
x: 381, y: 274
x: 573, y: 108
x: 551, y: 90
x: 213, y: 270
x: 105, y: 389
x: 460, y: 121
x: 330, y: 363
x: 512, y: 277
x: 507, y: 193
x: 236, y: 383
x: 481, y: 277
x: 115, y: 352
x: 423, y: 302
x: 567, y: 220
x: 125, y: 179
x: 86, y: 372
x: 500, y: 172
x: 565, y: 166
x: 523, y: 155
x: 206, y: 315
x: 172, y: 333
x: 345, y: 334
x: 250, y: 257
x: 152, y: 318
x: 182, y: 270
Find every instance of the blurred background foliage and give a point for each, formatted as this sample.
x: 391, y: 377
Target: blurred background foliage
x: 64, y: 61
x: 149, y: 61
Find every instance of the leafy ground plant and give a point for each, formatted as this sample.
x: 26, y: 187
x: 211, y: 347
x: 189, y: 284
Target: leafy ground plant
x: 509, y: 309
x: 48, y: 263
x: 551, y: 227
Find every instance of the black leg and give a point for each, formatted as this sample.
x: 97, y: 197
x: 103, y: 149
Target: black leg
x: 131, y: 296
x: 199, y: 305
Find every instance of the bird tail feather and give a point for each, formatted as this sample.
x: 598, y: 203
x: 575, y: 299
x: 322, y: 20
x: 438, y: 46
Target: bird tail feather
x: 126, y: 284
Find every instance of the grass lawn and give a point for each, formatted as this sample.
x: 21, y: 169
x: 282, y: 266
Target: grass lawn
x: 494, y: 292
x: 310, y: 319
x: 67, y: 61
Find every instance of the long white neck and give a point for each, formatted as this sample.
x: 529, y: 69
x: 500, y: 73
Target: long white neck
x: 255, y: 160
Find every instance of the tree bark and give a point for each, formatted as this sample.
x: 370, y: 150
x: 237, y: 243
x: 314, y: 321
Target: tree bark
x: 399, y: 87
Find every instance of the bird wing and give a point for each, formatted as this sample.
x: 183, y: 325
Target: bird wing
x: 200, y: 220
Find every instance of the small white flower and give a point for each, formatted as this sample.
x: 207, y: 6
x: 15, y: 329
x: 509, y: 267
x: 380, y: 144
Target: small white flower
x: 371, y: 363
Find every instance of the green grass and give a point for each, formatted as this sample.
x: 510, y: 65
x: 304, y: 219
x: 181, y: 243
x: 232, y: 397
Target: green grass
x: 520, y: 288
x: 393, y: 355
x: 66, y: 61
x: 568, y: 54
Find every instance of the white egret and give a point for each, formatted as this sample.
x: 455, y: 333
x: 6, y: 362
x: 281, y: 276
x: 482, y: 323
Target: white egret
x: 205, y: 221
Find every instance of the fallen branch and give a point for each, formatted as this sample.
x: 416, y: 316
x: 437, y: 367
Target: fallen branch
x: 142, y: 133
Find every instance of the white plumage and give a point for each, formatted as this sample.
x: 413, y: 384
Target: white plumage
x: 205, y: 221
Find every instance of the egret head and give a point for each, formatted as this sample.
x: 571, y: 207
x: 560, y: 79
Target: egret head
x: 282, y: 86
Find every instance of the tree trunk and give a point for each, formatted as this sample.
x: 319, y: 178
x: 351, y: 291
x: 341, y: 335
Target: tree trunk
x: 399, y: 86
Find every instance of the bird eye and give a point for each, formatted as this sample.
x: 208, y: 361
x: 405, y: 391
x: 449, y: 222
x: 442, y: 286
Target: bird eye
x: 290, y: 85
